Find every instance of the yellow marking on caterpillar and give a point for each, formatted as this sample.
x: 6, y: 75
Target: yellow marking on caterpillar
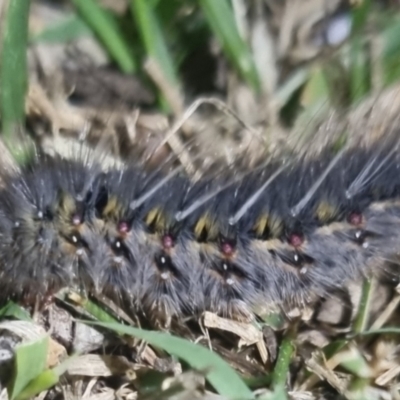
x: 206, y: 228
x: 268, y: 225
x: 67, y: 203
x: 156, y: 219
x: 261, y: 225
x: 326, y: 212
x: 112, y: 209
x: 66, y: 208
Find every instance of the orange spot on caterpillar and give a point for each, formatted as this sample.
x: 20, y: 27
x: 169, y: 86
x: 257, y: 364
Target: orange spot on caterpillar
x: 355, y: 218
x: 227, y: 249
x: 227, y: 246
x: 168, y: 241
x: 296, y: 240
x: 123, y: 227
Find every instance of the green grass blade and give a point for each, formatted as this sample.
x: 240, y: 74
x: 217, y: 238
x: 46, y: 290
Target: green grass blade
x: 97, y: 312
x: 221, y: 19
x: 108, y: 31
x: 354, y: 362
x: 13, y: 78
x: 220, y: 375
x: 13, y: 310
x: 281, y: 369
x: 153, y: 38
x: 361, y: 320
x: 382, y: 331
x: 44, y: 381
x: 279, y: 393
x: 30, y: 362
x: 334, y: 347
x: 359, y: 65
x: 359, y: 71
x: 70, y: 28
x: 360, y: 15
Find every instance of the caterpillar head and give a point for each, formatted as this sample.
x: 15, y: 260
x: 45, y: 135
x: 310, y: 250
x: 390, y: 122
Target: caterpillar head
x: 33, y: 241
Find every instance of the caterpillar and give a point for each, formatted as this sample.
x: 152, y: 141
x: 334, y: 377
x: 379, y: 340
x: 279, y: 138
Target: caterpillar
x: 293, y: 228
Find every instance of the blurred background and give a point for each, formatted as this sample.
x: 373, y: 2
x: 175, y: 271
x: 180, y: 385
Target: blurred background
x: 266, y: 71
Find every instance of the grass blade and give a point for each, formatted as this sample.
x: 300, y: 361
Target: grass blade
x: 44, y: 381
x: 153, y: 38
x: 382, y: 331
x: 108, y: 32
x: 278, y: 394
x: 281, y: 370
x: 361, y: 320
x: 30, y: 362
x: 71, y: 28
x: 359, y: 66
x: 221, y: 19
x: 97, y: 312
x: 13, y: 310
x: 220, y: 375
x: 354, y: 362
x: 13, y: 79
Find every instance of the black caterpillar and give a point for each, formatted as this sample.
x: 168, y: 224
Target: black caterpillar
x: 292, y: 229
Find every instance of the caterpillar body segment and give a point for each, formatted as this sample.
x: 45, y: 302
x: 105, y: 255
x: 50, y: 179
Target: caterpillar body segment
x: 230, y: 242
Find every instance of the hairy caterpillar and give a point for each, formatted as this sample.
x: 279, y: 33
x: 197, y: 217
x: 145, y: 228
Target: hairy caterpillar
x: 281, y: 234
